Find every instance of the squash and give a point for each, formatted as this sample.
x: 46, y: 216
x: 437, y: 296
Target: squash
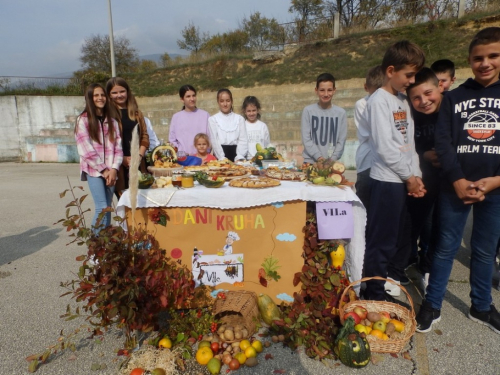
x: 268, y: 309
x: 352, y: 347
x: 337, y: 256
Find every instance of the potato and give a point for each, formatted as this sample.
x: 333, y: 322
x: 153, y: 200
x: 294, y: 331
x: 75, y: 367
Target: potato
x: 244, y: 333
x: 238, y: 335
x: 390, y: 329
x: 221, y: 329
x: 221, y: 336
x: 251, y: 362
x: 235, y: 344
x: 236, y: 349
x: 281, y: 338
x: 229, y: 335
x: 275, y: 339
x: 238, y: 327
x: 374, y: 317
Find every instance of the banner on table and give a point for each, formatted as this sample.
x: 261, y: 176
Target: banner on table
x: 256, y: 249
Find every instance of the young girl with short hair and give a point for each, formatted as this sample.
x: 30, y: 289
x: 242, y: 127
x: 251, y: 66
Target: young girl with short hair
x: 202, y: 144
x: 188, y: 122
x: 99, y: 145
x: 227, y: 130
x: 257, y: 131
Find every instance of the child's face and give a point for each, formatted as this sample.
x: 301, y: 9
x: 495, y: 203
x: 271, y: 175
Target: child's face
x: 445, y: 81
x: 189, y: 100
x: 425, y: 98
x: 325, y: 91
x: 118, y: 94
x: 401, y: 79
x: 99, y: 99
x: 251, y: 113
x: 484, y: 61
x: 201, y: 146
x: 225, y: 103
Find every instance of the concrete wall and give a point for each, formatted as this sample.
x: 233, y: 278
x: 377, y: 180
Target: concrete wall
x: 37, y: 128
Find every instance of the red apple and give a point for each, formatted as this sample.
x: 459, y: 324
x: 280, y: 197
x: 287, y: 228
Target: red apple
x: 386, y: 317
x: 215, y: 347
x: 355, y: 316
x: 361, y: 311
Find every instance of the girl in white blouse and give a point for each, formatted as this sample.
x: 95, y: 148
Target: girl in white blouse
x: 227, y: 130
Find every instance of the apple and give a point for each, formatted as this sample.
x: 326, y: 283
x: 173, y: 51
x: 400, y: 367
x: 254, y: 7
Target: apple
x: 215, y: 347
x: 355, y: 316
x: 361, y: 311
x: 380, y: 325
x: 386, y: 317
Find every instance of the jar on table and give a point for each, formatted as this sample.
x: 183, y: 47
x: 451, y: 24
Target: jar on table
x: 187, y: 180
x: 177, y: 179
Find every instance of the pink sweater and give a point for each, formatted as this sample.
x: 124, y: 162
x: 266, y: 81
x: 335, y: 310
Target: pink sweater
x: 95, y: 157
x: 184, y: 126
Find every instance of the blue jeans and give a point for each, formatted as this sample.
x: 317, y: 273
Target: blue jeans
x: 485, y: 233
x: 102, y: 196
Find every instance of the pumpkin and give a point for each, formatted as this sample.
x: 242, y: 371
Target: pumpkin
x: 351, y: 347
x: 268, y: 309
x: 337, y: 256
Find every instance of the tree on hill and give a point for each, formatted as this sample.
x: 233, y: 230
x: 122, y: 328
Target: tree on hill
x: 262, y: 32
x: 191, y: 38
x: 165, y: 60
x: 96, y: 54
x: 305, y: 9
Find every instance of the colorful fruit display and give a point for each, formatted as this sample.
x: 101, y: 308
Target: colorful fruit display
x: 381, y: 325
x: 326, y: 172
x: 268, y: 153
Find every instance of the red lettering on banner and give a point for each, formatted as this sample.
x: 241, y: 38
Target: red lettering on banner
x: 220, y: 222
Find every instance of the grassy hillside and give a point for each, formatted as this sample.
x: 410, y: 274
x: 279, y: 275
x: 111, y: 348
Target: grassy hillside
x: 347, y: 57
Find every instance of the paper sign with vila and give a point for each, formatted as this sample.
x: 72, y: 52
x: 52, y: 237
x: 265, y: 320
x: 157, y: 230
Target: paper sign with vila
x: 335, y: 220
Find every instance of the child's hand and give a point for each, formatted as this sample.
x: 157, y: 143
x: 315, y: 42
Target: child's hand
x: 432, y: 158
x: 415, y: 187
x: 468, y: 192
x: 486, y: 184
x: 111, y: 177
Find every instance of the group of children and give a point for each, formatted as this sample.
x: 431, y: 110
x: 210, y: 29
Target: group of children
x: 424, y: 160
x: 223, y: 135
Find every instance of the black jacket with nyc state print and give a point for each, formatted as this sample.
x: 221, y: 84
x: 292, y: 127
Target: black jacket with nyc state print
x: 468, y: 133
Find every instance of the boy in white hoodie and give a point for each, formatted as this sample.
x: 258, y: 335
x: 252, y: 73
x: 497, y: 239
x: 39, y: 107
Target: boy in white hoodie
x: 395, y: 169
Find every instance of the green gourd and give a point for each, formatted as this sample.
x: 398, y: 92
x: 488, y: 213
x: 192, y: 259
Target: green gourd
x: 268, y: 309
x: 351, y: 347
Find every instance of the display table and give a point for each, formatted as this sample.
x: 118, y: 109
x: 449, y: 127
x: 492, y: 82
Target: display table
x: 243, y: 235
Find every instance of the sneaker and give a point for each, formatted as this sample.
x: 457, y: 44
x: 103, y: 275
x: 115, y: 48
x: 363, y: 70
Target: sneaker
x: 490, y: 318
x: 391, y: 289
x: 404, y: 280
x: 426, y: 317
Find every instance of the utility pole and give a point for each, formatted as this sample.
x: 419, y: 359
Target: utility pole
x: 461, y: 8
x: 111, y: 42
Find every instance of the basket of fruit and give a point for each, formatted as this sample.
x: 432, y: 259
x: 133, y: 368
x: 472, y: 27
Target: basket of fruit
x: 238, y: 312
x: 388, y: 326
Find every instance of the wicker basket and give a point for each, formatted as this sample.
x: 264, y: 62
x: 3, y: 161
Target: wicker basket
x: 396, y: 343
x: 238, y: 308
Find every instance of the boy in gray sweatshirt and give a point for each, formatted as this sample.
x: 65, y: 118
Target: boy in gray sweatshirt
x: 395, y: 169
x: 324, y: 125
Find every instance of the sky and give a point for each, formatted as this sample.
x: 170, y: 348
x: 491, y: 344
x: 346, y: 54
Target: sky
x: 40, y: 38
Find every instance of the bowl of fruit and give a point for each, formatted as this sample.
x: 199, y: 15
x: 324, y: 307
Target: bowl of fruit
x: 209, y: 181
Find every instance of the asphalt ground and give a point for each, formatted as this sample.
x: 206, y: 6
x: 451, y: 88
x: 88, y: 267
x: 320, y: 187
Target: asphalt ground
x: 35, y: 259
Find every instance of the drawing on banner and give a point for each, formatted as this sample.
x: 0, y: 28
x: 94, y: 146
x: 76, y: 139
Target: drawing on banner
x: 228, y: 247
x: 212, y: 270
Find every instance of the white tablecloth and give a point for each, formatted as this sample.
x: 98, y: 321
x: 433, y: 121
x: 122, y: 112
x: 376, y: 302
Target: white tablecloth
x: 228, y: 197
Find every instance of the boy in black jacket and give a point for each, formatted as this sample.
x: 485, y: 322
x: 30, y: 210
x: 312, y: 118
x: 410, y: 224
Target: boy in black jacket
x: 468, y: 148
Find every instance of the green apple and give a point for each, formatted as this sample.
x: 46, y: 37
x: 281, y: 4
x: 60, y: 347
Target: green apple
x: 380, y: 325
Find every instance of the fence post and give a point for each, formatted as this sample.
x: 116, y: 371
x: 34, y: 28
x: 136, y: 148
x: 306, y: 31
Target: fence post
x: 336, y: 25
x: 461, y: 8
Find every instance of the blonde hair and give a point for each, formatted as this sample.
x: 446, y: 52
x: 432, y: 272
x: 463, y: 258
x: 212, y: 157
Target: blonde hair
x: 202, y: 136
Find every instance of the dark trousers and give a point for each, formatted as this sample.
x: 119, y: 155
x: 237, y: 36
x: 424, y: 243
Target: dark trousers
x: 388, y: 238
x: 363, y: 187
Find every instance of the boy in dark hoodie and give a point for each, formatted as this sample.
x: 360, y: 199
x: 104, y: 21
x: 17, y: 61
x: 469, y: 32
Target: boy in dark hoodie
x: 468, y: 148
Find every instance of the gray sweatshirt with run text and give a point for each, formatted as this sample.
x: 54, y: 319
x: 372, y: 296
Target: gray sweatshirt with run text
x: 324, y: 132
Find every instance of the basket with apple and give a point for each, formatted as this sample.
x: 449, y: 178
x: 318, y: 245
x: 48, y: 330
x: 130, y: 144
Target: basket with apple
x: 388, y: 326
